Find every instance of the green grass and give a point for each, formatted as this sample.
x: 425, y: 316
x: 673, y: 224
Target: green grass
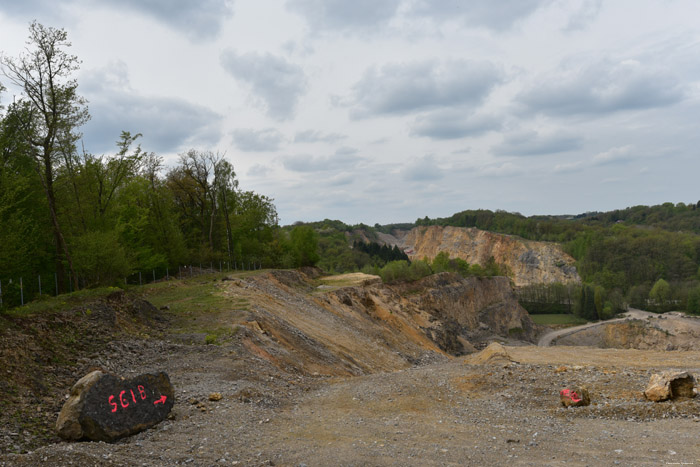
x: 60, y: 303
x: 548, y: 320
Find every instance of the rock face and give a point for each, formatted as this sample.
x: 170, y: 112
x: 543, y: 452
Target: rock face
x: 576, y: 397
x: 530, y: 262
x: 104, y: 407
x: 670, y: 385
x: 481, y: 307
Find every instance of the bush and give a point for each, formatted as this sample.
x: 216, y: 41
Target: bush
x: 99, y: 258
x: 395, y: 271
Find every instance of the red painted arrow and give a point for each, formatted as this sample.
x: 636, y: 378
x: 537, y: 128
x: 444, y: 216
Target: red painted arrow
x: 161, y: 400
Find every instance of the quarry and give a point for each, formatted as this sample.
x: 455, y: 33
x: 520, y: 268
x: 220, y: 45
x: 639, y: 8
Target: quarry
x: 345, y: 370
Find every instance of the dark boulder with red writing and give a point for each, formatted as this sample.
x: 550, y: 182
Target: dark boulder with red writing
x: 105, y: 407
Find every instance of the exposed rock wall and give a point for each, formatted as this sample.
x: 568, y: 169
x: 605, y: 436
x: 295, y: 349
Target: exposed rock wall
x: 530, y: 262
x: 373, y: 327
x: 634, y: 334
x: 483, y: 307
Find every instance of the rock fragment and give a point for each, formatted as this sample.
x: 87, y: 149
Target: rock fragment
x: 104, y: 407
x: 670, y: 385
x: 577, y: 397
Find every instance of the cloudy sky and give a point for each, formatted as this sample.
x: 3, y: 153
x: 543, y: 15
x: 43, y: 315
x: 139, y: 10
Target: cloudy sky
x: 389, y: 110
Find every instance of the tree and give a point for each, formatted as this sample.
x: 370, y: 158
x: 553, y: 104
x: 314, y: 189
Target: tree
x: 304, y: 242
x: 55, y: 112
x: 660, y: 293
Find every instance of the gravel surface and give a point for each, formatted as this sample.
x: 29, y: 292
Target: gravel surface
x: 450, y: 413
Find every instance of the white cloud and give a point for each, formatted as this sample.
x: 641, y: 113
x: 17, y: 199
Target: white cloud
x: 477, y: 13
x: 168, y: 124
x: 248, y: 139
x: 341, y: 160
x: 507, y: 169
x: 345, y: 16
x: 410, y: 87
x: 533, y: 143
x: 454, y: 124
x: 277, y: 83
x: 614, y: 155
x: 602, y: 87
x: 422, y: 169
x: 315, y: 136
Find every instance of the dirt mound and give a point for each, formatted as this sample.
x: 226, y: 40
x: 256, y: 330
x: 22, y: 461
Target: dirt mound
x: 493, y: 354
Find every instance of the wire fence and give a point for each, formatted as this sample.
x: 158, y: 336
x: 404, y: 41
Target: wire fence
x: 17, y: 291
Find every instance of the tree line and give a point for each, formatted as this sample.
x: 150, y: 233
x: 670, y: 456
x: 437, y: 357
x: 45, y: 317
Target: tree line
x: 97, y: 218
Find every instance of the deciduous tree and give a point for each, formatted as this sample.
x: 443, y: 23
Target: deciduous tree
x: 55, y: 112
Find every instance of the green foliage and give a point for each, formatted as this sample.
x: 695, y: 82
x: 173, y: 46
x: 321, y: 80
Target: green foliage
x: 304, y: 245
x: 693, y: 301
x: 557, y: 319
x: 99, y: 258
x: 441, y: 262
x: 380, y: 254
x: 395, y: 271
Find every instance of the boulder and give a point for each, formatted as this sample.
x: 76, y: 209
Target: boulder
x: 576, y: 397
x: 105, y: 407
x: 670, y: 385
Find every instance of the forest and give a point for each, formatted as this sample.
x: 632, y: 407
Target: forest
x: 77, y: 219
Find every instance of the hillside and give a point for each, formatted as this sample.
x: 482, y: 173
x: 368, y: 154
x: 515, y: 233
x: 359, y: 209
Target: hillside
x: 338, y: 371
x: 292, y: 322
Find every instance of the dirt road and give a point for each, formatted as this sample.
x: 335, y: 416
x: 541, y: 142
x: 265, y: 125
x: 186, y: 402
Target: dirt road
x: 633, y: 313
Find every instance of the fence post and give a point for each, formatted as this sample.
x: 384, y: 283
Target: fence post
x: 21, y: 291
x: 140, y: 281
x: 70, y: 283
x: 55, y: 281
x: 154, y: 275
x: 167, y: 273
x: 39, y: 284
x: 220, y: 267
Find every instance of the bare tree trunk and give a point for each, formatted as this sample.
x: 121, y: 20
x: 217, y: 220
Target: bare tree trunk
x: 229, y: 239
x: 61, y: 246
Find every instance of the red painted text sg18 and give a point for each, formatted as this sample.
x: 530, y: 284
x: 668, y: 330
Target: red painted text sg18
x: 128, y: 398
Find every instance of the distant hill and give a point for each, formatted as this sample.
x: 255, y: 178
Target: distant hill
x: 623, y: 252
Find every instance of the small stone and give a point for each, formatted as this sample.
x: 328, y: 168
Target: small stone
x: 215, y: 396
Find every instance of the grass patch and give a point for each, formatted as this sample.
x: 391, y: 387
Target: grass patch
x: 183, y: 297
x: 558, y: 319
x: 59, y: 303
